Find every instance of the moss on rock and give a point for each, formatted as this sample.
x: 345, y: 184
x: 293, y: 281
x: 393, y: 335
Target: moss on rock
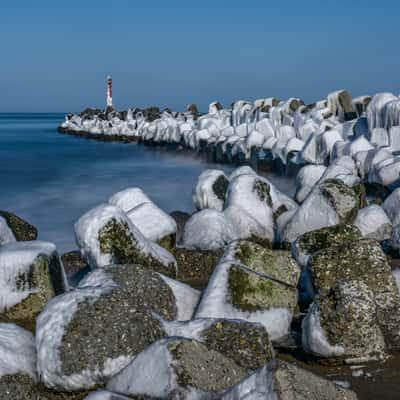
x: 252, y: 292
x: 45, y: 280
x: 277, y: 263
x: 115, y: 238
x: 220, y: 186
x: 263, y: 191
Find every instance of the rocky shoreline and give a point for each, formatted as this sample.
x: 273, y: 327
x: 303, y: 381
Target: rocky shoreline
x: 250, y: 294
x: 254, y: 295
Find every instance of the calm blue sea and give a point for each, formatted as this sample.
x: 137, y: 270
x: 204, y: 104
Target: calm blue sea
x: 52, y: 179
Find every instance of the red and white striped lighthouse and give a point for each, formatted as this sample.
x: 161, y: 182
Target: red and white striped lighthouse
x: 109, y: 91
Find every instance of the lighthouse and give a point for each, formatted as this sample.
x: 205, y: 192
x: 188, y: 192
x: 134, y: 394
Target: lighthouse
x: 109, y: 91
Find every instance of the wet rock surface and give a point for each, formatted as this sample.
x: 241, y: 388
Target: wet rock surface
x: 23, y: 231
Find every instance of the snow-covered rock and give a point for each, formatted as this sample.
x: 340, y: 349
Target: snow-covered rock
x: 279, y: 380
x: 262, y: 291
x: 18, y: 375
x: 376, y: 110
x: 154, y: 224
x: 129, y: 198
x: 306, y: 179
x: 17, y: 351
x: 210, y: 190
x: 246, y: 343
x: 373, y: 223
x: 392, y: 207
x: 106, y: 236
x: 30, y: 275
x: 177, y: 367
x: 253, y: 194
x: 91, y: 333
x: 208, y: 230
x: 331, y: 202
x: 344, y: 274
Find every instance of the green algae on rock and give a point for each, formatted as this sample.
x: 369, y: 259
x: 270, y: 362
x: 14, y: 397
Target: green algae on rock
x: 35, y: 276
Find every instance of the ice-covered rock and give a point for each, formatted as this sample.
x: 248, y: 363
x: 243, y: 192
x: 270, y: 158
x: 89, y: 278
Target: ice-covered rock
x: 21, y: 229
x: 334, y: 327
x: 392, y: 207
x: 262, y: 291
x: 208, y: 230
x: 376, y: 110
x: 346, y: 274
x: 279, y: 380
x: 330, y: 203
x: 91, y: 333
x: 306, y: 179
x: 106, y: 236
x: 379, y: 137
x: 373, y: 223
x: 177, y: 368
x: 154, y: 224
x: 246, y: 343
x: 17, y: 352
x: 129, y: 198
x: 252, y: 194
x: 30, y: 275
x: 210, y: 190
x: 340, y: 104
x: 17, y: 363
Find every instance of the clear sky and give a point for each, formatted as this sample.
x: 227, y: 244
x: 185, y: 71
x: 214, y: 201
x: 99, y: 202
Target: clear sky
x: 54, y: 54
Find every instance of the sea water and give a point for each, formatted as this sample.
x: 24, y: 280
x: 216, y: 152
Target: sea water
x: 51, y: 179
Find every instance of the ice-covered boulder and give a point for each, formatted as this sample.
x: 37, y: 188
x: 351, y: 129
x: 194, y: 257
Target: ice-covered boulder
x: 208, y: 230
x: 246, y: 343
x: 356, y: 275
x: 210, y: 190
x: 154, y: 224
x: 262, y: 291
x: 89, y: 334
x: 252, y: 194
x: 342, y: 323
x: 306, y: 179
x: 340, y: 104
x: 330, y: 203
x: 30, y: 275
x: 392, y: 207
x: 106, y: 236
x: 376, y: 110
x: 129, y: 198
x: 279, y: 380
x: 379, y: 137
x: 17, y: 363
x: 374, y: 223
x: 22, y: 230
x: 177, y: 368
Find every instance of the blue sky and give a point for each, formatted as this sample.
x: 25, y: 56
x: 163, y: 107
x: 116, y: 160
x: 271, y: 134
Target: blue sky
x: 54, y: 55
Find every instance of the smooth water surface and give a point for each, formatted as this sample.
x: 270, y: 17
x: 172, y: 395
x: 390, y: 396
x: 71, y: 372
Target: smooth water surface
x: 52, y: 179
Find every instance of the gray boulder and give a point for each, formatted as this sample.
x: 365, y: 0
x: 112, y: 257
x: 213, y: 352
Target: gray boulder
x: 88, y: 335
x: 280, y: 380
x: 177, y: 368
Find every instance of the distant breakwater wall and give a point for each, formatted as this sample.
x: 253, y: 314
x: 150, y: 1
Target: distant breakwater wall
x: 267, y: 133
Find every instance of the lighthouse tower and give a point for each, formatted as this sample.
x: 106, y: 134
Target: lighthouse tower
x: 109, y: 91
